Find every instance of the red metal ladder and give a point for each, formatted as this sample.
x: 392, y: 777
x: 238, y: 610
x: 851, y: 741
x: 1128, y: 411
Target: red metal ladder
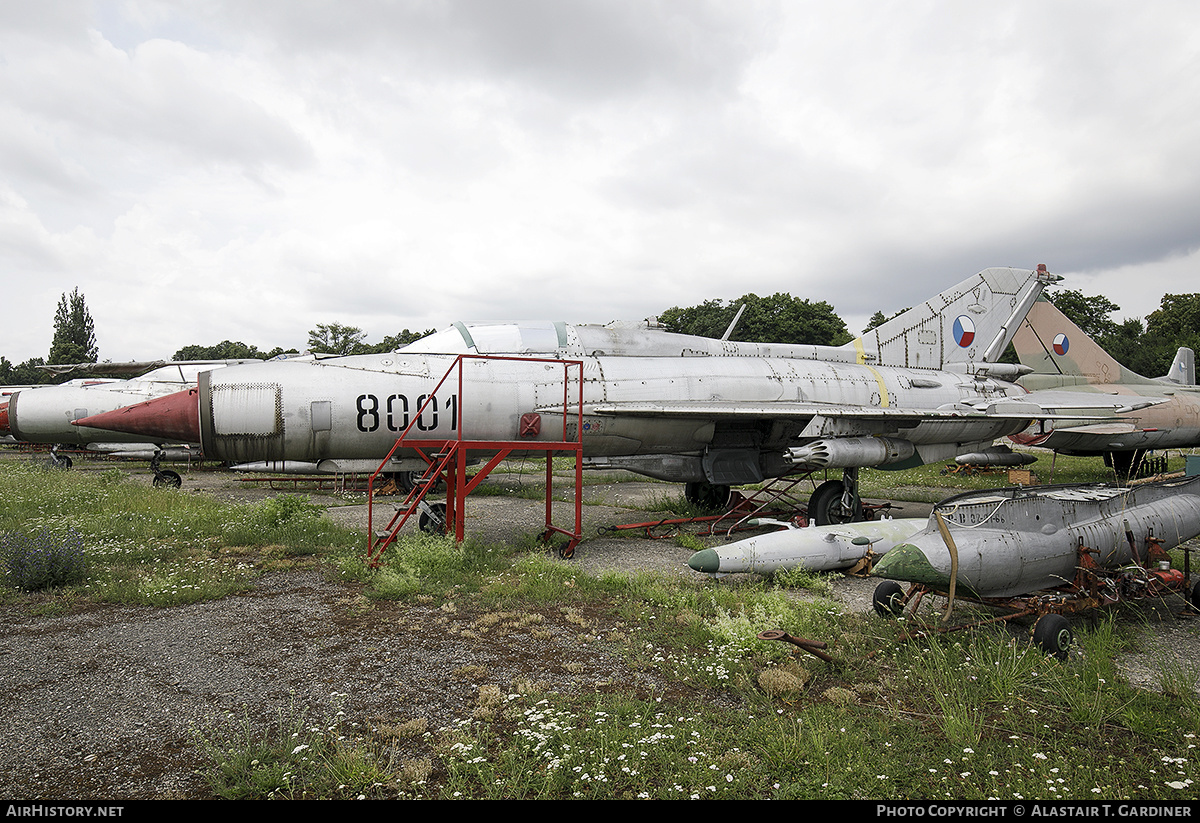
x: 449, y: 458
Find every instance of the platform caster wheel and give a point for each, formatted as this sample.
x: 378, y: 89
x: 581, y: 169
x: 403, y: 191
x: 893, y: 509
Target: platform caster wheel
x: 434, y: 520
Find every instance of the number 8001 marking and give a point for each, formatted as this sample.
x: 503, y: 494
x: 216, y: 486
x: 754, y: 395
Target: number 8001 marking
x: 394, y: 412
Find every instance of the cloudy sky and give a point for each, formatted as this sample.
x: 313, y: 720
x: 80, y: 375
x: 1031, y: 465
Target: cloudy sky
x: 206, y: 170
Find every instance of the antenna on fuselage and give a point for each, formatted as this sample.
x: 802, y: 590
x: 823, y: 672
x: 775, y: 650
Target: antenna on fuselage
x: 733, y: 323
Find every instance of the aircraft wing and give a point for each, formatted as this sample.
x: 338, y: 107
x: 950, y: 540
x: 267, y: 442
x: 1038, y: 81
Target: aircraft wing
x: 1107, y: 429
x: 132, y: 368
x: 783, y: 410
x: 1103, y: 403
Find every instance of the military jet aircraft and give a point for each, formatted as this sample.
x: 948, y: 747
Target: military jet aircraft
x: 44, y: 414
x: 923, y: 386
x: 1164, y: 412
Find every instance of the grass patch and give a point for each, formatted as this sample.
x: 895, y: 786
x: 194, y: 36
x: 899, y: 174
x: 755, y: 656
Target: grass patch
x: 693, y: 704
x: 295, y: 757
x: 140, y: 545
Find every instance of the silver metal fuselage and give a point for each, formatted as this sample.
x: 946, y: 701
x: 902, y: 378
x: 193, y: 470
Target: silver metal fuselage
x: 356, y: 407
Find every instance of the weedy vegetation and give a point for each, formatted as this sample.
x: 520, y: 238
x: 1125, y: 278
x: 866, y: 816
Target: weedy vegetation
x: 903, y: 712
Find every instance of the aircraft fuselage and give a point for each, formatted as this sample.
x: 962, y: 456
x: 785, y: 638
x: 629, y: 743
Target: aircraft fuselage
x: 357, y: 407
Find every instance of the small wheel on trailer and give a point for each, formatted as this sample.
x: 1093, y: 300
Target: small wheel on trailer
x: 1195, y: 598
x: 168, y: 480
x: 1053, y: 633
x: 433, y: 521
x: 888, y: 599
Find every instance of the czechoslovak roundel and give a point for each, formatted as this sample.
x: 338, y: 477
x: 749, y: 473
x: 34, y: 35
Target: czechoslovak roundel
x: 964, y: 331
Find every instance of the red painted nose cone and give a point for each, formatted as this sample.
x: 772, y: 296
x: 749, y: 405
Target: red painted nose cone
x: 4, y: 419
x: 174, y: 418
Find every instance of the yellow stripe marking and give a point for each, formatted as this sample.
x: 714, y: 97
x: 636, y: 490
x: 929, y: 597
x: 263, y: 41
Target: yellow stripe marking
x: 883, y: 393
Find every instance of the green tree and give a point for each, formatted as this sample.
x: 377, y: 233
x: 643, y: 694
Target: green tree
x: 1177, y: 318
x: 1129, y: 345
x: 225, y: 350
x: 780, y: 318
x: 1175, y: 323
x: 879, y: 318
x: 1090, y: 314
x: 396, y: 341
x: 28, y: 373
x: 334, y: 338
x: 74, y: 333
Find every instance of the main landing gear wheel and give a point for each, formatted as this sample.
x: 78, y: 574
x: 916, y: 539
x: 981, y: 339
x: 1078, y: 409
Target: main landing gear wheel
x: 433, y: 519
x: 826, y: 506
x: 1053, y: 633
x: 706, y: 495
x: 888, y: 599
x: 168, y: 480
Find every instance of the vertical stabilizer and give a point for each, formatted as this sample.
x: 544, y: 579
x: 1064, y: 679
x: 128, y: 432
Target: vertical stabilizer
x: 972, y: 322
x: 1183, y: 368
x: 1053, y: 346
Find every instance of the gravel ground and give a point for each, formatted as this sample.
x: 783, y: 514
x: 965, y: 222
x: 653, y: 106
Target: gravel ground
x: 105, y: 703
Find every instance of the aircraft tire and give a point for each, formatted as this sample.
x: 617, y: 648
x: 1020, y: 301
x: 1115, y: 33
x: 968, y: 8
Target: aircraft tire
x: 433, y: 525
x: 1052, y: 632
x: 168, y: 480
x: 825, y: 506
x: 708, y: 496
x: 888, y: 599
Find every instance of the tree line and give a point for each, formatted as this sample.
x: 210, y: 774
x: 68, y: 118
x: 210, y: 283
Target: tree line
x: 1147, y: 347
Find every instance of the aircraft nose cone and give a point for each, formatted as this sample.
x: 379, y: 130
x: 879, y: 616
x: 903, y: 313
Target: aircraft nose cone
x: 173, y: 418
x: 908, y: 563
x: 707, y: 561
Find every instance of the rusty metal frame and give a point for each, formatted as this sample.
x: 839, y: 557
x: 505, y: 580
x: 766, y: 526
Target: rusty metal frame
x: 1093, y: 588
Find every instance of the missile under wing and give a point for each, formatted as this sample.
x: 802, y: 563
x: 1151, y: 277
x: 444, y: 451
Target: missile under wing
x: 922, y: 387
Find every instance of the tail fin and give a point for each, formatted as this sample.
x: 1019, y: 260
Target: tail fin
x: 1060, y: 354
x: 970, y: 323
x: 1183, y: 368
